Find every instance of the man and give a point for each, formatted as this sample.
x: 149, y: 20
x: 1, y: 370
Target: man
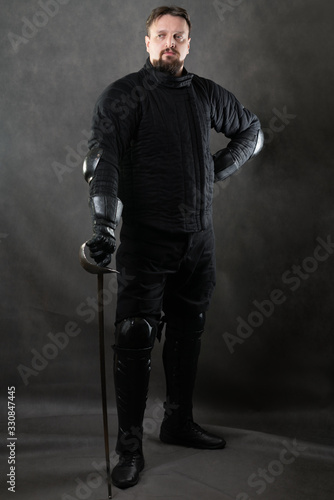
x: 150, y: 149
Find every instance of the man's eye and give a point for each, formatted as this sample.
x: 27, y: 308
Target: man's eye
x: 161, y: 36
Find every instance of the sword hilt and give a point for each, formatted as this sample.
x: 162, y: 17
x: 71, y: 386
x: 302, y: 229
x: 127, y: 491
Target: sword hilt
x: 90, y: 266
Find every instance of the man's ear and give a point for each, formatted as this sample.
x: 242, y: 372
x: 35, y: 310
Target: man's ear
x: 189, y: 40
x: 147, y: 43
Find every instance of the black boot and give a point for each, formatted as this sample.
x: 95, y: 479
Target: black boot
x: 180, y: 357
x: 132, y: 368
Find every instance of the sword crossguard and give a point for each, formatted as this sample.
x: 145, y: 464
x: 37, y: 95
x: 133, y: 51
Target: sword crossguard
x: 89, y: 266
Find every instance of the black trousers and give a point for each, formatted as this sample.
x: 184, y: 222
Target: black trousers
x: 164, y: 272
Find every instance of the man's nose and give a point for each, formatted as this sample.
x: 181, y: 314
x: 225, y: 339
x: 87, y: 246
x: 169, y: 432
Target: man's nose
x: 170, y: 42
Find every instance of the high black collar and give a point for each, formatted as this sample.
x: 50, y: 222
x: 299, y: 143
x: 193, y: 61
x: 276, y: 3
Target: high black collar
x: 168, y: 80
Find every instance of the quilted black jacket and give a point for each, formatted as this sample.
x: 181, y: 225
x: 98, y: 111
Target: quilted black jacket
x: 154, y: 131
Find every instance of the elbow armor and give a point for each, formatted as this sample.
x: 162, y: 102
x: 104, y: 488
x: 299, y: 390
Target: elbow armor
x: 90, y: 163
x: 259, y: 143
x: 225, y: 164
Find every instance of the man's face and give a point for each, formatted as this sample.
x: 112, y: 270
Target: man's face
x: 168, y: 44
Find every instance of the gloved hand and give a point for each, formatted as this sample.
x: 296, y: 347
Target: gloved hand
x: 102, y: 245
x: 104, y: 217
x: 224, y: 164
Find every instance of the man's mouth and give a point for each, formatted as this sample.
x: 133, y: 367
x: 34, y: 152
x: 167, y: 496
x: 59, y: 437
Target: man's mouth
x: 169, y: 53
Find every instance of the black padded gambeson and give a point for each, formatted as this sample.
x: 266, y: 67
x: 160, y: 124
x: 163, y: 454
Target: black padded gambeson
x: 154, y: 130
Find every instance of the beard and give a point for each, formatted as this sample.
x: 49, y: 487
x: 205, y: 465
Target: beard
x: 170, y: 66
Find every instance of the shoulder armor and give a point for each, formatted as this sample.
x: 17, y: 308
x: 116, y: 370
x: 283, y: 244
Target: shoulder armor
x: 90, y: 163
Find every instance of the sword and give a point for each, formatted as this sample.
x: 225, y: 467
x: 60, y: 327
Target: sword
x: 100, y: 271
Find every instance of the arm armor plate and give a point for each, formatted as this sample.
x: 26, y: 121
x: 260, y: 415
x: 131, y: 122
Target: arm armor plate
x: 99, y: 204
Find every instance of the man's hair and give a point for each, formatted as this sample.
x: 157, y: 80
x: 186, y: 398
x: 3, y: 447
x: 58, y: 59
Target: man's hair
x: 173, y: 10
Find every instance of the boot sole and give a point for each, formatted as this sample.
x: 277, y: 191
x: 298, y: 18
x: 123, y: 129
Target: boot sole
x: 168, y: 439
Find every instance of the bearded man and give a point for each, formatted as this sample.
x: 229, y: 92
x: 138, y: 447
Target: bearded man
x: 149, y: 153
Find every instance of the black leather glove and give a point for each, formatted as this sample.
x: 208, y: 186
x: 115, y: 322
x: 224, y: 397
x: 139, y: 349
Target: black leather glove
x: 224, y: 164
x: 103, y: 243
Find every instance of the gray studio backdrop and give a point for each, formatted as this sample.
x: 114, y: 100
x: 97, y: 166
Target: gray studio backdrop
x: 268, y: 346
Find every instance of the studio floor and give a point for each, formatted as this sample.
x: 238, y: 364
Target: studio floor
x: 62, y: 458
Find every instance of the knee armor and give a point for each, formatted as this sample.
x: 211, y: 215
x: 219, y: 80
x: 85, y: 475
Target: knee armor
x: 134, y: 333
